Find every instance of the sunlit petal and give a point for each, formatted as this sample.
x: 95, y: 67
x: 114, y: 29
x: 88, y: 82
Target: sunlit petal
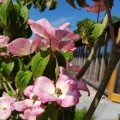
x: 37, y: 108
x: 23, y: 105
x: 43, y: 84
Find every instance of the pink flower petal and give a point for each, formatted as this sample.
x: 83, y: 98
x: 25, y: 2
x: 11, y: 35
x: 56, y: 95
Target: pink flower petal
x: 38, y: 29
x: 44, y: 43
x: 70, y: 93
x: 7, y: 97
x: 4, y: 54
x: 3, y: 41
x: 19, y: 47
x: 2, y: 0
x: 82, y: 86
x: 5, y: 106
x: 72, y: 68
x: 66, y: 46
x: 37, y: 108
x: 71, y: 36
x: 35, y: 44
x: 47, y: 97
x: 44, y: 22
x: 60, y: 34
x: 66, y: 84
x: 7, y: 101
x: 27, y: 115
x: 95, y: 9
x: 98, y: 6
x: 43, y: 84
x: 51, y: 31
x: 64, y: 26
x: 23, y: 105
x: 69, y: 100
x: 28, y: 91
x: 5, y: 114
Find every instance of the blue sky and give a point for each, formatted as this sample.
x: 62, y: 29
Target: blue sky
x: 65, y: 13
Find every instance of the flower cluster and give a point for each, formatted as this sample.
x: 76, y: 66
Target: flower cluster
x: 65, y: 92
x: 46, y: 36
x: 39, y: 66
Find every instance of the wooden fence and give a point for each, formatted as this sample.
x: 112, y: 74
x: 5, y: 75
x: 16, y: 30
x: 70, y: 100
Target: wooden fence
x: 95, y: 72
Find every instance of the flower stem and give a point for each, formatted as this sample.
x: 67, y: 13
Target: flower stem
x: 5, y: 86
x: 11, y: 88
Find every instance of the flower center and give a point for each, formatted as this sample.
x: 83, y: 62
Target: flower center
x: 58, y: 91
x: 34, y: 98
x: 4, y: 108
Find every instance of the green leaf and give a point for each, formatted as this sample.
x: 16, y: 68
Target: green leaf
x: 17, y: 8
x: 28, y: 3
x: 60, y: 59
x: 21, y: 2
x: 96, y: 31
x: 71, y: 2
x: 39, y: 62
x: 54, y: 116
x: 82, y: 3
x: 84, y: 30
x: 4, y: 11
x: 24, y: 13
x: 22, y: 79
x: 51, y: 68
x: 90, y: 31
x: 20, y: 64
x: 7, y: 68
x: 51, y: 4
x: 41, y: 2
x: 50, y: 110
x: 68, y: 55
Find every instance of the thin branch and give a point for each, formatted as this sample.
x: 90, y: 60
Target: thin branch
x: 107, y: 6
x: 11, y: 88
x: 5, y: 86
x: 89, y: 59
x: 111, y: 66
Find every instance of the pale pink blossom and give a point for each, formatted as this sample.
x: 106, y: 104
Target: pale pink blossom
x: 81, y: 84
x: 33, y: 103
x: 59, y: 39
x: 3, y: 41
x: 23, y: 46
x: 6, y: 107
x: 64, y: 92
x: 27, y: 115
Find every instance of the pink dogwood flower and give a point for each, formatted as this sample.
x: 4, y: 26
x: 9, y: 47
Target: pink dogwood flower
x: 3, y: 41
x: 33, y: 103
x: 64, y: 92
x: 59, y: 39
x: 23, y: 46
x: 81, y: 84
x: 6, y: 107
